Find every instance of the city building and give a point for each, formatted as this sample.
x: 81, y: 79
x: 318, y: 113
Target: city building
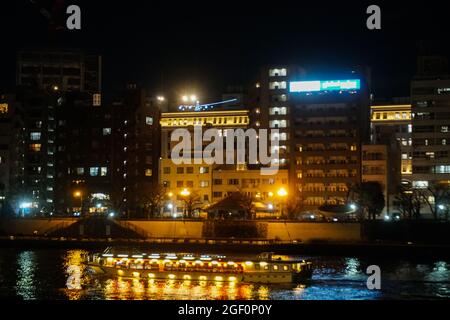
x: 194, y: 177
x: 107, y: 156
x: 12, y: 143
x: 67, y: 70
x: 381, y: 164
x: 391, y: 125
x: 330, y: 122
x: 430, y: 100
x: 39, y: 107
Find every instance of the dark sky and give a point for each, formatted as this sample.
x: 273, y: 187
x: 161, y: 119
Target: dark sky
x: 208, y: 45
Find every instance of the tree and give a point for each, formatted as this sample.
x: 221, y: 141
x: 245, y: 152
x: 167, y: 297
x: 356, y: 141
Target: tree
x: 246, y: 201
x: 293, y: 205
x: 370, y: 198
x: 192, y: 202
x: 409, y: 202
x: 440, y: 192
x: 152, y: 200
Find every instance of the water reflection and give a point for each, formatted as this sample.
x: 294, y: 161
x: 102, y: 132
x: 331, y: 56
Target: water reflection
x: 26, y: 268
x: 43, y: 274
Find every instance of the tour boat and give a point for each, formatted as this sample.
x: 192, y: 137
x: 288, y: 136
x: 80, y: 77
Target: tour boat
x: 265, y: 268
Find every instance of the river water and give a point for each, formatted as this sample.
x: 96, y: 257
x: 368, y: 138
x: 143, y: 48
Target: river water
x: 44, y: 274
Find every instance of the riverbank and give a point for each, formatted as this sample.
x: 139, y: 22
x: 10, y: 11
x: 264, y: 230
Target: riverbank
x: 237, y: 246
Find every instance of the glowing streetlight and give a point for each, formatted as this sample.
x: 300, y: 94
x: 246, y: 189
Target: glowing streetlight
x: 79, y: 194
x: 270, y: 194
x: 282, y: 192
x: 185, y: 193
x: 185, y: 98
x: 160, y: 98
x: 170, y: 194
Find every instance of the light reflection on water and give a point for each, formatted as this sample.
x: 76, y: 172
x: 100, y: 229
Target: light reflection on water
x: 43, y: 274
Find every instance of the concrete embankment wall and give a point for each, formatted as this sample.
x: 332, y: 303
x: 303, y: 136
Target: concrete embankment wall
x: 285, y: 231
x: 29, y: 226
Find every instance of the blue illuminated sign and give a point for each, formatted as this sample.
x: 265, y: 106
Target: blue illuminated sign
x: 324, y: 85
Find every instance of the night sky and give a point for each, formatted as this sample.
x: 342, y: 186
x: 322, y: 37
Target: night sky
x: 205, y: 46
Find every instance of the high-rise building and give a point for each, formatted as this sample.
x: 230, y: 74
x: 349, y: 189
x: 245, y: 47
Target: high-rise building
x: 322, y: 124
x: 12, y: 143
x: 67, y: 70
x: 107, y: 156
x: 430, y: 100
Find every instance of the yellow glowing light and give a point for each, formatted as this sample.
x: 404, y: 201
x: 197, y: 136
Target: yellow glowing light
x: 232, y: 278
x: 185, y: 98
x: 186, y: 277
x: 270, y: 194
x: 218, y: 278
x: 263, y: 264
x: 77, y: 194
x: 282, y: 192
x: 185, y: 193
x: 202, y: 278
x: 214, y: 262
x: 248, y: 263
x: 170, y: 194
x: 151, y: 275
x: 109, y: 259
x: 230, y: 263
x: 171, y: 276
x: 120, y: 272
x: 136, y: 274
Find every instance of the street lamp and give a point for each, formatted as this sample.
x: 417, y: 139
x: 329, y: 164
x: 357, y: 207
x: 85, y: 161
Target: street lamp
x: 185, y: 193
x: 282, y: 193
x: 79, y: 194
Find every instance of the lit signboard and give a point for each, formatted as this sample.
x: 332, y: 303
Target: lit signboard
x: 324, y: 85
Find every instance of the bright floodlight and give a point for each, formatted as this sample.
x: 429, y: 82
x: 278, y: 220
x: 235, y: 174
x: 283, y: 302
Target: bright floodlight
x: 441, y: 207
x: 99, y: 205
x: 193, y: 98
x: 160, y: 98
x: 170, y: 206
x: 353, y: 206
x: 185, y: 98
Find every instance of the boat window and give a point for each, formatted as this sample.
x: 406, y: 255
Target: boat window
x: 275, y: 267
x: 285, y: 268
x: 266, y: 267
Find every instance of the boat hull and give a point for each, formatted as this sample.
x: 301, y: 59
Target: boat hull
x: 247, y: 277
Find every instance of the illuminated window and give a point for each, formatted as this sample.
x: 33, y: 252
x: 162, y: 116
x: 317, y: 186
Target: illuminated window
x: 148, y: 172
x: 204, y: 169
x: 204, y: 184
x: 444, y: 129
x: 277, y: 85
x: 96, y: 99
x: 80, y: 171
x: 35, y: 136
x: 35, y: 147
x: 3, y: 108
x: 420, y: 184
x: 106, y: 131
x: 103, y: 171
x: 93, y: 171
x: 149, y: 120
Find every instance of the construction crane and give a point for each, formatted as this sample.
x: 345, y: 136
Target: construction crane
x: 53, y: 11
